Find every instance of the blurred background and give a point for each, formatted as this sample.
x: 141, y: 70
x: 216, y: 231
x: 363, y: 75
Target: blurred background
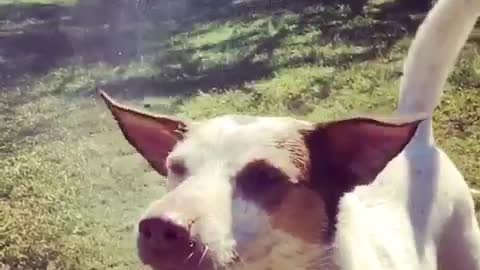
x: 71, y: 187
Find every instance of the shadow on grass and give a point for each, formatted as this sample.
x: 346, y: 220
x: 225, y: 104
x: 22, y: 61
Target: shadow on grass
x: 377, y: 32
x: 218, y: 77
x: 37, y: 38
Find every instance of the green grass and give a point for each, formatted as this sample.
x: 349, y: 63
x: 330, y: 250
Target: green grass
x: 72, y: 187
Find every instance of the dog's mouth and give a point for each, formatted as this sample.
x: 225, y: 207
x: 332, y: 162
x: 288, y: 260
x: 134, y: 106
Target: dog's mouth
x: 194, y: 256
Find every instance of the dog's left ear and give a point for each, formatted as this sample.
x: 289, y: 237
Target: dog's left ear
x: 153, y: 136
x: 355, y: 151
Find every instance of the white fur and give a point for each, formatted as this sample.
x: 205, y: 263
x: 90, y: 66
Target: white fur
x: 418, y: 214
x: 432, y: 56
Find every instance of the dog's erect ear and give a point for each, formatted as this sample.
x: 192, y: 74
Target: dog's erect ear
x: 356, y: 150
x: 153, y: 136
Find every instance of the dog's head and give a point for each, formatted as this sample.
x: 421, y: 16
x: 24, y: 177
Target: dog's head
x: 252, y: 192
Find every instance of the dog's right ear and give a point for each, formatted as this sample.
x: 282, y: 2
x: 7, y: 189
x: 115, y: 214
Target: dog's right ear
x: 154, y: 137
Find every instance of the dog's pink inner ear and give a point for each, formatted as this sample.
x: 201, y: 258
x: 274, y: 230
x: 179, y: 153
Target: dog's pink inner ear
x: 357, y: 149
x: 153, y: 137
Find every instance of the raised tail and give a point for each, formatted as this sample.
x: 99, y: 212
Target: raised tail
x: 432, y: 56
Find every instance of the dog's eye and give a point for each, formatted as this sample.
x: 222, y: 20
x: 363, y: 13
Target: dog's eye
x: 261, y: 182
x: 178, y: 168
x: 257, y: 180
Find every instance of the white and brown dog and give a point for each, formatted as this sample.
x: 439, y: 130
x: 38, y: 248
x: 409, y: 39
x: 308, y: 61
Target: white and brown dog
x: 260, y: 193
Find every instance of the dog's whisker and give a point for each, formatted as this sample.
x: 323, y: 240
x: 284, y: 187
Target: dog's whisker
x: 189, y: 257
x: 205, y: 250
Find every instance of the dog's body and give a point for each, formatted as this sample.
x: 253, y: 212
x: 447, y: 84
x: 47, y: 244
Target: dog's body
x: 278, y: 193
x: 418, y: 213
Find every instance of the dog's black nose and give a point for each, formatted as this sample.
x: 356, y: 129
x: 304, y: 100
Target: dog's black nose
x: 164, y: 233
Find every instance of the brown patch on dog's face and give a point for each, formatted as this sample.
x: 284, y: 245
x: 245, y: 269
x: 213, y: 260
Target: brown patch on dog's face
x: 294, y: 209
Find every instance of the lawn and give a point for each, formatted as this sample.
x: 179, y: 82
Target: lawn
x: 71, y: 187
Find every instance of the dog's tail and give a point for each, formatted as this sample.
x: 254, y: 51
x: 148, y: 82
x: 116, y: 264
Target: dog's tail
x: 432, y: 56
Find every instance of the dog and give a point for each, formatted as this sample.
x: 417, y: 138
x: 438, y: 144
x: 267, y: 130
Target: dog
x: 259, y: 193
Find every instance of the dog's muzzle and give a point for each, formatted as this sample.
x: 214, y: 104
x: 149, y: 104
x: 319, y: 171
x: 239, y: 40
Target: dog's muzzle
x: 164, y: 243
